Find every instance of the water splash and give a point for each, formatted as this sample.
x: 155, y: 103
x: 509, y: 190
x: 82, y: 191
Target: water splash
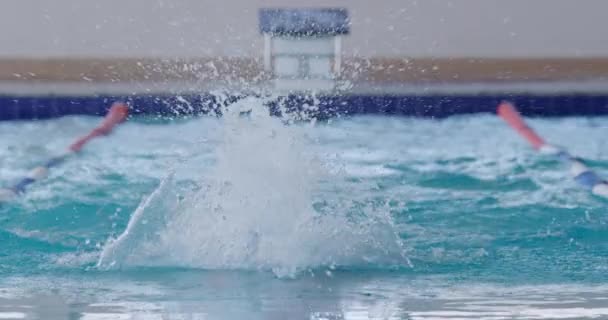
x: 258, y: 208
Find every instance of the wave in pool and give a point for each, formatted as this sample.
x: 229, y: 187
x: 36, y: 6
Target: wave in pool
x: 463, y: 197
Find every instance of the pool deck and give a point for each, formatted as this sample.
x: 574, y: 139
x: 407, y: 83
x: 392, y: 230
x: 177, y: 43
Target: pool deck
x: 38, y: 89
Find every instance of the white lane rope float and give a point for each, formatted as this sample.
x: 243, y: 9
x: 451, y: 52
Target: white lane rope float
x: 583, y: 176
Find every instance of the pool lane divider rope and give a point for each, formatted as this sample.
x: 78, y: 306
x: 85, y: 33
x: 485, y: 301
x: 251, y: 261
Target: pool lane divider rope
x: 583, y: 176
x: 117, y: 114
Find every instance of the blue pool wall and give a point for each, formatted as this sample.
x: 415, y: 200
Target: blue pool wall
x: 435, y: 106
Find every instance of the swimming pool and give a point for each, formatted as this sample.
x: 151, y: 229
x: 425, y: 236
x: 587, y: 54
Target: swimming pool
x: 254, y: 217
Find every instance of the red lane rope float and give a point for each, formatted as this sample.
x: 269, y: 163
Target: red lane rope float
x: 584, y: 176
x: 117, y: 114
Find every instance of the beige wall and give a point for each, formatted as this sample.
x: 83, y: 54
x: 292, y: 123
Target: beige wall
x: 383, y: 28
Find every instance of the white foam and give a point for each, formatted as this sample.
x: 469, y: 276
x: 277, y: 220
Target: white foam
x: 12, y: 315
x: 514, y: 312
x: 255, y: 210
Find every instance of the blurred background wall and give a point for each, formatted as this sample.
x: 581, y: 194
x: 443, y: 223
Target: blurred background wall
x: 388, y: 28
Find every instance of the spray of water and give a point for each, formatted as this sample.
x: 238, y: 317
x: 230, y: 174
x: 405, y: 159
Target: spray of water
x: 259, y: 208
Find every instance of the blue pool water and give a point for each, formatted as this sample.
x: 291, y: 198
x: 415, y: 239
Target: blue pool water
x: 253, y: 217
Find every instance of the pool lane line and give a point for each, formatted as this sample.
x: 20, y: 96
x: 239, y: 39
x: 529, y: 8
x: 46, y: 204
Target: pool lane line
x: 117, y: 114
x: 584, y: 176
